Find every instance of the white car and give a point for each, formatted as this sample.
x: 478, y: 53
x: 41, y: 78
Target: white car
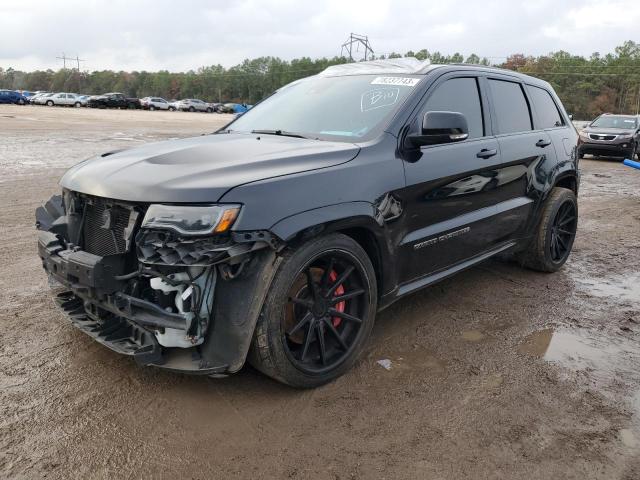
x: 41, y: 98
x: 154, y: 103
x: 64, y: 99
x: 193, y: 105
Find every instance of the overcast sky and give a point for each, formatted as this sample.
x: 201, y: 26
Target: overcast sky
x: 187, y: 34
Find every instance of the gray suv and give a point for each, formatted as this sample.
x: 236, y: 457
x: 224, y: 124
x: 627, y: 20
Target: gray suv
x: 611, y: 136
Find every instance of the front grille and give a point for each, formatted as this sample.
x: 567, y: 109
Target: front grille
x: 105, y: 227
x: 596, y: 136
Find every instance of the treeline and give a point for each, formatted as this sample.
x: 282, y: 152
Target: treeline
x: 587, y: 86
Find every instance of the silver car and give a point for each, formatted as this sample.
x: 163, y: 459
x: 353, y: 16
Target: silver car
x: 193, y: 105
x: 63, y: 99
x: 154, y: 103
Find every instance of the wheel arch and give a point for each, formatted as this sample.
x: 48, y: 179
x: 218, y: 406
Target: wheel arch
x: 567, y: 180
x: 357, y: 220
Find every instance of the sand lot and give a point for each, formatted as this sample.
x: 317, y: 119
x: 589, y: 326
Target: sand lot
x: 499, y: 372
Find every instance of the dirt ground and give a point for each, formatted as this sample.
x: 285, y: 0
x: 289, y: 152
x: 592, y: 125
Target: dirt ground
x: 496, y: 373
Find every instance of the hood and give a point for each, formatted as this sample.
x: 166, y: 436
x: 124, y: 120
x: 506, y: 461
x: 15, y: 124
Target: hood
x: 200, y: 169
x: 609, y: 131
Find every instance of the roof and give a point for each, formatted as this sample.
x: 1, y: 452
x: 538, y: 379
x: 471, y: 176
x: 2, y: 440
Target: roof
x: 406, y: 65
x: 412, y: 66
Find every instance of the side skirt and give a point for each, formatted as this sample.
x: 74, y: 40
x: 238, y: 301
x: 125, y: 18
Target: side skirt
x: 407, y: 288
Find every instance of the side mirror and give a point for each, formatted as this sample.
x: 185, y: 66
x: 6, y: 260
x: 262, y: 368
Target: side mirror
x: 441, y: 127
x: 571, y: 116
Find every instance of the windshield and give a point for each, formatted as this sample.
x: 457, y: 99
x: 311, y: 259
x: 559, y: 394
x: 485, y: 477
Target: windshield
x: 343, y: 108
x: 615, y: 121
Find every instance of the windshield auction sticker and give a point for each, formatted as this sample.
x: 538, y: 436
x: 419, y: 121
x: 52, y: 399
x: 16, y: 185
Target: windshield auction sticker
x: 404, y: 81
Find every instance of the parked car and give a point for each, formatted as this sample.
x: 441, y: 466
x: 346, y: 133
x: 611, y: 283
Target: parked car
x: 10, y: 96
x: 193, y: 105
x: 173, y: 105
x: 41, y: 99
x: 214, y: 106
x: 612, y: 136
x: 281, y: 236
x: 83, y: 99
x: 63, y: 99
x: 227, y: 108
x: 154, y: 103
x: 113, y: 100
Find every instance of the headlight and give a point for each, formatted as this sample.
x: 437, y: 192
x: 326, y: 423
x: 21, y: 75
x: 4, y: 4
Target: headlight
x: 191, y: 220
x: 626, y: 136
x: 584, y: 135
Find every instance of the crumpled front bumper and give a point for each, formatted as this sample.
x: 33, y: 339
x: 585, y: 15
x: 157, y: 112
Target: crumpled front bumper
x: 92, y: 285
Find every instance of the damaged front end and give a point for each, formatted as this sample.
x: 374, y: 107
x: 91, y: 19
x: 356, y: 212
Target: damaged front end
x: 171, y: 285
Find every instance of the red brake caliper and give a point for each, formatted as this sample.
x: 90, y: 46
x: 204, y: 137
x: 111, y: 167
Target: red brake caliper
x: 333, y: 276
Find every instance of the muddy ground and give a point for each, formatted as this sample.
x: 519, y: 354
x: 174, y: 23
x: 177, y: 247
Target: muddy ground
x: 496, y: 373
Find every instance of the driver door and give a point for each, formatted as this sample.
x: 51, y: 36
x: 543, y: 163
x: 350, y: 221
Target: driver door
x: 452, y: 188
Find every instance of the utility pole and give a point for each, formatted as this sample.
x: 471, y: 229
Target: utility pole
x: 64, y: 59
x: 357, y: 41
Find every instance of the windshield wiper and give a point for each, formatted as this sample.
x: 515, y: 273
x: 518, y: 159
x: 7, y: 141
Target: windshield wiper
x: 282, y: 133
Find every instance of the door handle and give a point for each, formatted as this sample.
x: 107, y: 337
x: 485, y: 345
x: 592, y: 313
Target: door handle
x: 486, y: 153
x: 543, y: 143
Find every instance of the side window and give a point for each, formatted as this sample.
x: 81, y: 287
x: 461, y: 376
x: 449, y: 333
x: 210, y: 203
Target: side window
x: 459, y: 95
x: 510, y: 105
x: 545, y: 108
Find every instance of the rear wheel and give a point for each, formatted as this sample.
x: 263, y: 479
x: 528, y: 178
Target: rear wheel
x: 49, y: 103
x: 152, y: 108
x: 318, y: 314
x: 191, y: 109
x: 556, y: 232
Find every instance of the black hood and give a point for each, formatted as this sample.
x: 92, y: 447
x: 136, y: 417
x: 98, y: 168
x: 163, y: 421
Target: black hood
x: 200, y: 169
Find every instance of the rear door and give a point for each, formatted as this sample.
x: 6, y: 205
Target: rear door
x: 548, y: 117
x: 452, y: 189
x: 527, y: 151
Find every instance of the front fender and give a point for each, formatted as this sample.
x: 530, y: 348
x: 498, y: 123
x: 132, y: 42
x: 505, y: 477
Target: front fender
x: 346, y: 214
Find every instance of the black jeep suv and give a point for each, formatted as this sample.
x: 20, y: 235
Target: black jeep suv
x: 612, y: 136
x: 279, y: 237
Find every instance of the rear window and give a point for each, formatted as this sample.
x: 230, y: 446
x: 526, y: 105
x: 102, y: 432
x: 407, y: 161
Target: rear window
x: 510, y: 105
x: 546, y: 109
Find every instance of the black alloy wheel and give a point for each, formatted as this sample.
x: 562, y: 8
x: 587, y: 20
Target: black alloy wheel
x: 563, y: 232
x: 325, y: 311
x: 318, y: 312
x: 551, y: 244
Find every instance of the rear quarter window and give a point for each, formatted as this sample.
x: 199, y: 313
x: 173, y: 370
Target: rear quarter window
x: 546, y: 109
x: 511, y: 107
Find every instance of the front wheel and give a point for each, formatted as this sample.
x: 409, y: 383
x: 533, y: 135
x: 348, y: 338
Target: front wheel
x: 553, y: 240
x: 152, y: 108
x: 318, y: 314
x: 191, y: 109
x: 77, y: 104
x: 49, y: 103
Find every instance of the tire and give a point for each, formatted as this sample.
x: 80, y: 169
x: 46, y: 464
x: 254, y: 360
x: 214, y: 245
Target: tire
x: 191, y: 109
x: 77, y: 104
x: 49, y: 103
x: 172, y: 109
x: 551, y: 247
x: 152, y: 108
x: 21, y: 101
x: 209, y: 110
x: 289, y: 349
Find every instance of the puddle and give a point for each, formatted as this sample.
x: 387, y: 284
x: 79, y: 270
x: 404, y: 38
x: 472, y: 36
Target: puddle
x: 473, y: 336
x: 611, y: 363
x: 620, y: 287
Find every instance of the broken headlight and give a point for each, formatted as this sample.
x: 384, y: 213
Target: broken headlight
x: 191, y: 220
